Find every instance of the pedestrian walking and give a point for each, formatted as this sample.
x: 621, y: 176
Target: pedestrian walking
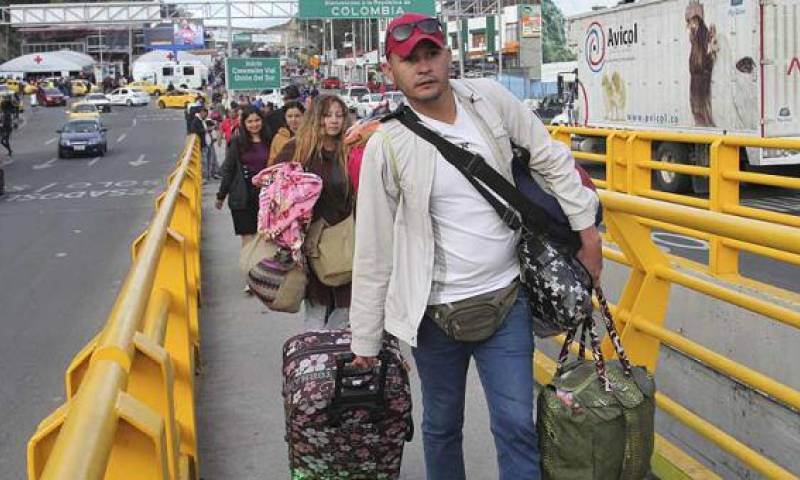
x: 212, y: 138
x: 230, y: 123
x: 245, y: 157
x: 6, y: 124
x: 319, y: 146
x: 431, y: 251
x: 277, y: 118
x: 294, y: 112
x: 199, y: 127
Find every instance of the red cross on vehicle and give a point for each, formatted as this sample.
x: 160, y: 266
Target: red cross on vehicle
x: 38, y: 59
x: 170, y: 56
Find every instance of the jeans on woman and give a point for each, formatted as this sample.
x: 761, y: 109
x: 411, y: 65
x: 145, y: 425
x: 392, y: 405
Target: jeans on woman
x: 504, y: 363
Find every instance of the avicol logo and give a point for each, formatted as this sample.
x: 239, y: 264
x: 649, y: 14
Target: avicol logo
x: 595, y: 47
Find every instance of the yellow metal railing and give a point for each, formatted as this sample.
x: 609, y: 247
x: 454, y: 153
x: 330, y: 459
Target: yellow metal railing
x: 629, y: 167
x: 129, y: 412
x: 641, y: 310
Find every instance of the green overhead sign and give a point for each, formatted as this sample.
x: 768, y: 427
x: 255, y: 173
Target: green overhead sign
x: 242, y: 38
x: 252, y: 73
x: 363, y: 8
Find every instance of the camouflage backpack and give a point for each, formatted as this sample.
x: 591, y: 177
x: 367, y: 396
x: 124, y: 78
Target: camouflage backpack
x: 595, y: 419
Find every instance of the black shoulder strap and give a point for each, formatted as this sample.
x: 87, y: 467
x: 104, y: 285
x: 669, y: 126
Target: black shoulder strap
x: 479, y: 173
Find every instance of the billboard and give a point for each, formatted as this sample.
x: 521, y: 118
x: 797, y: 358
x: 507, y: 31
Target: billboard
x: 159, y: 37
x: 188, y: 33
x: 531, y: 20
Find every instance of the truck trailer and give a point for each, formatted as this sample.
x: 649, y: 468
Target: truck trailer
x: 729, y: 67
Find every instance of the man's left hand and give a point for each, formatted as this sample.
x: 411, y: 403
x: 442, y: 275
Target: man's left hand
x: 591, y: 253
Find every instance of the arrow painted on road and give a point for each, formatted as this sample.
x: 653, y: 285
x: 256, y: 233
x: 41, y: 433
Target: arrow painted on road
x: 139, y: 161
x: 47, y: 164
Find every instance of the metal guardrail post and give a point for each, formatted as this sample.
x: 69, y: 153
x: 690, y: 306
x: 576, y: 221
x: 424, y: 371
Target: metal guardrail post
x: 644, y: 293
x: 722, y: 259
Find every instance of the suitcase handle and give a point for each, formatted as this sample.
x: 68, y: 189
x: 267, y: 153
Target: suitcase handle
x: 355, y: 387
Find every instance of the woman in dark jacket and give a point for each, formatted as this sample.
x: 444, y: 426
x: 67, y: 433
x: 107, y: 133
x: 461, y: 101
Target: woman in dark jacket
x: 245, y: 157
x: 319, y: 146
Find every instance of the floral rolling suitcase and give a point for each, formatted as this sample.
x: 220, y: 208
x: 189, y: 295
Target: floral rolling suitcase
x: 342, y: 423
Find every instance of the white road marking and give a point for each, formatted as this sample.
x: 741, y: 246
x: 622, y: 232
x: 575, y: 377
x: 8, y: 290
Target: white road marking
x: 47, y: 164
x: 139, y: 161
x: 49, y: 142
x: 134, y: 122
x: 93, y: 161
x: 45, y: 188
x: 61, y: 255
x: 679, y: 241
x: 122, y: 137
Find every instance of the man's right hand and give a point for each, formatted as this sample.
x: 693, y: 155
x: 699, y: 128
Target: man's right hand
x: 364, y: 362
x: 218, y: 204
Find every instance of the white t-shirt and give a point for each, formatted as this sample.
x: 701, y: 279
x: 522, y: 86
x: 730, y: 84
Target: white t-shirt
x: 475, y: 252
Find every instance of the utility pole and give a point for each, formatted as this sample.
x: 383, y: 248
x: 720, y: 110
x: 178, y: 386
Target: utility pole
x: 100, y: 45
x: 462, y: 49
x: 230, y: 30
x: 130, y: 51
x: 502, y: 38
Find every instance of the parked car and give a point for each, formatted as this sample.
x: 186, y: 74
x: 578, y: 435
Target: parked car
x: 331, y: 83
x: 87, y: 136
x: 83, y: 111
x: 149, y: 87
x: 351, y: 94
x: 51, y: 97
x: 129, y: 96
x: 99, y: 100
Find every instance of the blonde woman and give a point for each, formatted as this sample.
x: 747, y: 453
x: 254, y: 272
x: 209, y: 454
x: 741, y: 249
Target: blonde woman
x: 319, y: 146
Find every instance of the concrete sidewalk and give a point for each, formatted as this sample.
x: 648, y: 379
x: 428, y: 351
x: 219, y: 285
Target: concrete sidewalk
x: 239, y: 405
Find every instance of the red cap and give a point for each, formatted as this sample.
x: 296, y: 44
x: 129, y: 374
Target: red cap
x: 404, y: 48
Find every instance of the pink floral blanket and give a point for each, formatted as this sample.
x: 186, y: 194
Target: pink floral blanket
x: 286, y: 204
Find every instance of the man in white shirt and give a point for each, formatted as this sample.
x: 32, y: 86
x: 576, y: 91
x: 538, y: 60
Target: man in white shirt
x: 425, y: 237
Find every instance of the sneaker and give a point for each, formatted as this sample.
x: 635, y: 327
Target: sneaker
x: 247, y: 290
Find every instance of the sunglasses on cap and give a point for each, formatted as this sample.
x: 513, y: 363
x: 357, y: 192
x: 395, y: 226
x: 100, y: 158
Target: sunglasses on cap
x: 401, y: 33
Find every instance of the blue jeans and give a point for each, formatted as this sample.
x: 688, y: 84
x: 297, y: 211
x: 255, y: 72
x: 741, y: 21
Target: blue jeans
x: 505, y: 367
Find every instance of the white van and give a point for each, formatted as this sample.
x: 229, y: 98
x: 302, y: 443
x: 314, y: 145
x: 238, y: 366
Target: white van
x: 181, y: 75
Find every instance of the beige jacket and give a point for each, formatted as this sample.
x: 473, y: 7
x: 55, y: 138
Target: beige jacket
x: 279, y: 140
x: 393, y: 265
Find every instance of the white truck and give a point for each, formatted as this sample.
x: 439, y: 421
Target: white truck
x: 182, y: 75
x: 693, y: 66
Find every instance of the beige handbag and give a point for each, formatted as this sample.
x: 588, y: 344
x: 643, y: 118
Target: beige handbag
x: 273, y: 277
x: 329, y: 250
x: 254, y: 251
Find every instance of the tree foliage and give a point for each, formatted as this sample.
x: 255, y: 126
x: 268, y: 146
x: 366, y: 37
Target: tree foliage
x: 554, y: 41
